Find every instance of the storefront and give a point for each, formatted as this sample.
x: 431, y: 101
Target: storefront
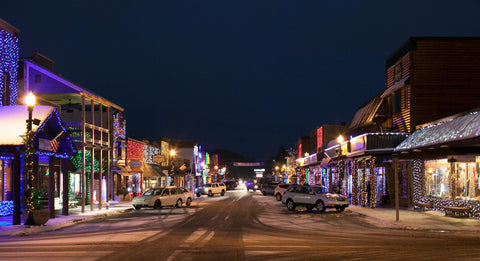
x: 52, y: 148
x: 442, y: 164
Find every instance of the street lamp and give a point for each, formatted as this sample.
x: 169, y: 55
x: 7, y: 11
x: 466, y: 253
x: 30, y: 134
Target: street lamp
x: 30, y: 151
x: 172, y: 169
x: 340, y: 141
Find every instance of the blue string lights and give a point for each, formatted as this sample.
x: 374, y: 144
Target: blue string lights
x: 9, y: 55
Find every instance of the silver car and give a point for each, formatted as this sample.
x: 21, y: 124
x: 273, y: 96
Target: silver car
x: 162, y: 197
x: 313, y: 197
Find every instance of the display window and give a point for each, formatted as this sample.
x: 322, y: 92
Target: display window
x: 459, y: 179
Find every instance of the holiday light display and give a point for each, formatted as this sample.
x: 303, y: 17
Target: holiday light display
x: 373, y: 184
x: 364, y: 182
x: 77, y: 162
x: 419, y: 188
x: 6, y: 208
x: 354, y: 182
x: 119, y: 133
x: 9, y: 56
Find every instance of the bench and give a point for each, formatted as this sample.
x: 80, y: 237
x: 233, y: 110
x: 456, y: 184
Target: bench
x: 72, y: 204
x: 424, y: 206
x: 461, y: 212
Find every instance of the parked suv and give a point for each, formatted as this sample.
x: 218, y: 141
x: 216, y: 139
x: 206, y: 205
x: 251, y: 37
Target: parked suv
x: 313, y: 196
x: 161, y: 197
x: 268, y: 188
x: 210, y: 189
x: 280, y: 190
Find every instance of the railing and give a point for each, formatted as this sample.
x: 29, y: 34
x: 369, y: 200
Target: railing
x: 75, y: 131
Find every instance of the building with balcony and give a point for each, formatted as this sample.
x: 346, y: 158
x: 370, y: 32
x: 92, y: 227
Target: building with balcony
x: 90, y: 122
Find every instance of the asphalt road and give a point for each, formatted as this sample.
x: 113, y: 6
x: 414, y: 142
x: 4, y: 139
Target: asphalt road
x: 239, y: 226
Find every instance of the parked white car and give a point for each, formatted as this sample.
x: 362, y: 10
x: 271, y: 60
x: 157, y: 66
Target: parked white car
x: 280, y: 190
x: 313, y: 196
x: 162, y: 197
x: 210, y: 189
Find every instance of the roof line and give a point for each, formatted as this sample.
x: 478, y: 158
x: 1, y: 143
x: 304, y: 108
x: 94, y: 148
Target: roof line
x: 75, y: 87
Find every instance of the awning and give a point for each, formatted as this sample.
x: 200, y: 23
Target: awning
x: 453, y: 129
x: 396, y: 86
x: 152, y: 171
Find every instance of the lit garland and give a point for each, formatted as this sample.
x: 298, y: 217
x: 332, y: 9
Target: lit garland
x: 341, y: 174
x: 77, y: 162
x: 364, y: 183
x: 354, y: 183
x: 9, y: 55
x: 6, y: 208
x: 29, y: 178
x: 119, y: 133
x: 419, y: 188
x: 373, y: 184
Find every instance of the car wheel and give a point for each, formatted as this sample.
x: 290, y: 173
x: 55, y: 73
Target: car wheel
x: 264, y: 193
x: 198, y: 195
x: 320, y: 206
x: 157, y: 204
x: 210, y: 194
x: 137, y: 207
x: 189, y: 202
x: 290, y: 205
x: 179, y: 203
x: 223, y: 193
x: 278, y: 197
x: 340, y: 209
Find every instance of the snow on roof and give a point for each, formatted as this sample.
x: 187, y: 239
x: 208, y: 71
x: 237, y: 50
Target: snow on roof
x: 460, y: 128
x: 13, y: 122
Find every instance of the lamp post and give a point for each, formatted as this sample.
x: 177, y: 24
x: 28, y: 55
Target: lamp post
x: 172, y: 169
x: 30, y: 150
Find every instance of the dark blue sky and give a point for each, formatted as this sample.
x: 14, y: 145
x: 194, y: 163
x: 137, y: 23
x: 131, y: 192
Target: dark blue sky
x: 247, y: 76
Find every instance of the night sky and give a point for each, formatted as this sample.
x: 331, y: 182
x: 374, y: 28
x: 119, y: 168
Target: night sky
x: 246, y: 76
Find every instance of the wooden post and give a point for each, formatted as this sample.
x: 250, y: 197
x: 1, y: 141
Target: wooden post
x: 100, y: 158
x: 66, y: 188
x: 397, y: 199
x: 109, y: 156
x: 92, y: 169
x: 82, y: 176
x: 16, y: 188
x: 51, y: 186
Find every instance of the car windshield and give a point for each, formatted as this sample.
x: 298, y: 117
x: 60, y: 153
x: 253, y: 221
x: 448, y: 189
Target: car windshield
x: 151, y: 192
x: 320, y: 189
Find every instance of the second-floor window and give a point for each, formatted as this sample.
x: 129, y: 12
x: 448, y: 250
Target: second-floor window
x: 397, y: 72
x: 397, y: 101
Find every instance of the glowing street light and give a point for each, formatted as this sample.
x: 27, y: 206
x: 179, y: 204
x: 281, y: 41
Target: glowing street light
x: 30, y: 151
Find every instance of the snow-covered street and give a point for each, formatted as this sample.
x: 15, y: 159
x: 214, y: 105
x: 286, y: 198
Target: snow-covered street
x: 238, y: 226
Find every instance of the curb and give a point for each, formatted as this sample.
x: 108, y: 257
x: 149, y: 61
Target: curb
x: 27, y: 231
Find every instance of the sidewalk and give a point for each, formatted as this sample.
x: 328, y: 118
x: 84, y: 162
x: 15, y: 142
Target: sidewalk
x: 75, y: 216
x: 416, y: 220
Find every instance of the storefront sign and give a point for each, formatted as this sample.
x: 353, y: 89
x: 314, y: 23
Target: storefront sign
x: 135, y: 164
x: 158, y: 158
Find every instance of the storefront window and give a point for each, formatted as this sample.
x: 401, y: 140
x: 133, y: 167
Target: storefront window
x: 467, y: 181
x: 437, y: 178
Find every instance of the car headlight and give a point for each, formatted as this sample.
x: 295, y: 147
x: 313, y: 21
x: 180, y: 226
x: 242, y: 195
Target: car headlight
x: 256, y: 186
